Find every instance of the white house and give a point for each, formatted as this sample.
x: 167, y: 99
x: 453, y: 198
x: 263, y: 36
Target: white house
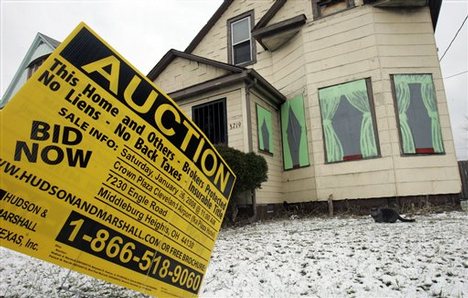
x: 344, y: 99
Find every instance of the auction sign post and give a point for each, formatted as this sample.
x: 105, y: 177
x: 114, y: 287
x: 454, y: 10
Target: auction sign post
x: 102, y: 173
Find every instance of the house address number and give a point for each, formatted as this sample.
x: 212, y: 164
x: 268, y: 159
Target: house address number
x: 235, y: 125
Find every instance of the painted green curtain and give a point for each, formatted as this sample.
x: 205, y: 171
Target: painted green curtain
x: 356, y: 94
x: 264, y: 129
x: 294, y: 134
x: 329, y: 102
x: 403, y: 101
x: 403, y: 96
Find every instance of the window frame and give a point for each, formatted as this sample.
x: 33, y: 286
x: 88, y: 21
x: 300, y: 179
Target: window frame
x: 398, y: 123
x: 224, y: 130
x: 253, y: 51
x: 316, y: 11
x: 370, y: 97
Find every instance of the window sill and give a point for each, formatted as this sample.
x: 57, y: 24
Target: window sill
x: 422, y: 152
x: 352, y: 158
x: 265, y: 152
x: 244, y: 64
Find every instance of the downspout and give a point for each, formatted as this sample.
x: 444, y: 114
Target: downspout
x: 249, y: 113
x: 250, y: 141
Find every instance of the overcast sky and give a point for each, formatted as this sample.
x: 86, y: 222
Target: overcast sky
x: 144, y: 30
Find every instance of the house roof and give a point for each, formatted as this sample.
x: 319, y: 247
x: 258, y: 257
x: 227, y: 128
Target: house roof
x: 27, y: 61
x: 236, y: 74
x: 211, y: 22
x: 249, y: 76
x: 172, y: 54
x: 52, y: 42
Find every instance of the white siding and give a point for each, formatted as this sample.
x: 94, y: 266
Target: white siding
x: 183, y: 73
x: 291, y: 9
x: 363, y: 42
x: 271, y: 191
x: 233, y: 96
x: 369, y: 42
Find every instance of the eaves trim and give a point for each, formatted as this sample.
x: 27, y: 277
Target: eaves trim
x: 282, y: 26
x: 292, y: 25
x: 248, y: 76
x: 211, y: 22
x: 172, y: 54
x: 269, y: 14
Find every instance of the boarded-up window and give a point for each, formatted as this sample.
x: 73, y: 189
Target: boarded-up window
x: 211, y: 119
x: 348, y: 121
x: 294, y: 134
x: 416, y: 110
x: 264, y: 130
x: 322, y: 8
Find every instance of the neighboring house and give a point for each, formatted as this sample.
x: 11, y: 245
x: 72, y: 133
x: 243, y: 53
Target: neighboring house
x: 344, y: 99
x: 41, y: 47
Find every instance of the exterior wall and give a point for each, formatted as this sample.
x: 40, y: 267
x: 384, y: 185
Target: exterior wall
x: 291, y: 9
x: 272, y: 190
x: 285, y: 69
x: 341, y: 48
x: 235, y: 95
x: 288, y: 70
x: 237, y: 126
x: 369, y: 42
x: 406, y: 44
x: 182, y: 73
x: 289, y: 77
x: 242, y: 134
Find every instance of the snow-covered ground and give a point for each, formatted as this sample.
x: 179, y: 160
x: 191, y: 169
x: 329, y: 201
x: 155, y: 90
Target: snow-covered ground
x: 342, y: 257
x: 297, y: 257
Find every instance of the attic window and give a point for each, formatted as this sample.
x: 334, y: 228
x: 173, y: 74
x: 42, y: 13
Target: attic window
x: 324, y: 8
x: 241, y: 46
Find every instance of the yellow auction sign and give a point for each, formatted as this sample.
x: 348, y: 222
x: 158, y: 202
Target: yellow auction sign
x: 102, y: 173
